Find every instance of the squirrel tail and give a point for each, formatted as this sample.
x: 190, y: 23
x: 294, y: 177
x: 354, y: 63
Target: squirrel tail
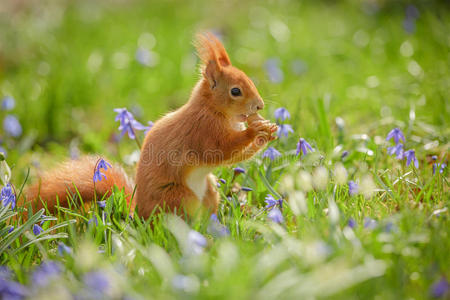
x: 74, y: 179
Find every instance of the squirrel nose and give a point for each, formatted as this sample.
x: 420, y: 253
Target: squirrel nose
x: 260, y: 106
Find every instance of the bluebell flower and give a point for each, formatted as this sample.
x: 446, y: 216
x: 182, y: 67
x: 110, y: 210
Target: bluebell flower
x: 396, y: 134
x: 246, y: 189
x: 98, y: 176
x: 271, y: 202
x: 440, y: 288
x: 344, y: 154
x: 11, y: 228
x: 7, y: 196
x: 396, y: 150
x: 12, y: 126
x: 12, y: 290
x: 239, y: 170
x: 353, y: 188
x: 351, y: 223
x: 275, y: 215
x: 303, y: 147
x: 216, y: 228
x: 441, y: 169
x: 101, y: 204
x: 273, y: 70
x: 282, y: 114
x: 8, y: 103
x: 5, y: 272
x: 370, y: 223
x: 434, y: 157
x: 93, y: 220
x: 222, y: 180
x: 46, y: 272
x: 64, y: 249
x: 412, y: 12
x: 196, y: 242
x: 271, y: 153
x: 149, y: 126
x: 410, y: 156
x: 97, y: 281
x: 284, y: 130
x: 127, y: 123
x: 37, y: 230
x: 102, y: 164
x: 144, y: 57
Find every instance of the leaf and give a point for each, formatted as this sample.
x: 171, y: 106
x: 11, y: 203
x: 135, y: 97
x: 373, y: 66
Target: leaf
x: 19, y: 230
x: 42, y: 237
x: 268, y: 186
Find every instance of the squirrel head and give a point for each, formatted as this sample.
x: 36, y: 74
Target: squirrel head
x: 233, y: 93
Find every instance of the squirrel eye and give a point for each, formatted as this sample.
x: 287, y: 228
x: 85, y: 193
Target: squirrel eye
x: 235, y: 92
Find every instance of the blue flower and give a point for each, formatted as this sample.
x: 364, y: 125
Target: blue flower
x: 344, y: 154
x: 150, y: 125
x: 351, y: 223
x: 98, y: 176
x: 196, y: 242
x: 145, y: 57
x: 93, y: 220
x: 275, y: 215
x: 239, y: 170
x: 11, y: 228
x: 410, y: 156
x: 46, y: 272
x: 101, y: 204
x: 271, y: 153
x: 97, y: 282
x: 7, y: 196
x: 284, y: 130
x: 396, y: 150
x: 271, y: 202
x: 64, y: 249
x: 352, y: 188
x: 369, y: 223
x: 440, y: 288
x: 303, y: 147
x: 396, y: 134
x: 37, y: 230
x: 216, y: 228
x: 127, y: 123
x: 282, y: 114
x: 273, y: 70
x: 8, y: 103
x: 441, y: 169
x: 222, y: 180
x: 246, y: 189
x: 12, y: 290
x: 12, y: 126
x: 102, y: 164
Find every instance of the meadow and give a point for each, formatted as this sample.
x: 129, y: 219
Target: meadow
x: 350, y: 202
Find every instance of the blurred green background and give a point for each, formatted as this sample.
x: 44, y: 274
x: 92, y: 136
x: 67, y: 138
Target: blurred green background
x: 67, y: 64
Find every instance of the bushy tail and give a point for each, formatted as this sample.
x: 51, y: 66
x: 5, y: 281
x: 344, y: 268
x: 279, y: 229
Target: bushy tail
x: 75, y: 178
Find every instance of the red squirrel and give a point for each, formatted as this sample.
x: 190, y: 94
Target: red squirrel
x: 182, y: 148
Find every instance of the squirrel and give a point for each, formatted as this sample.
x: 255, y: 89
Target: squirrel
x: 182, y: 148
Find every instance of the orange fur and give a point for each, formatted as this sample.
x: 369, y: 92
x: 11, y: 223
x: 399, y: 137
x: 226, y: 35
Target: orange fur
x: 183, y: 147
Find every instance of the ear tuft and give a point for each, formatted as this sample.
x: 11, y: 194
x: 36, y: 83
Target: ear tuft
x: 210, y: 48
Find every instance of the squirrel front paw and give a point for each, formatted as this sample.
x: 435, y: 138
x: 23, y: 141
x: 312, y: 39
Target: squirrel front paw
x: 263, y: 131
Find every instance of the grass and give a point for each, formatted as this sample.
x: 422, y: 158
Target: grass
x: 351, y: 73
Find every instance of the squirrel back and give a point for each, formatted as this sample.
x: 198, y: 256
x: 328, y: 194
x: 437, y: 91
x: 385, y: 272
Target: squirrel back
x: 75, y: 178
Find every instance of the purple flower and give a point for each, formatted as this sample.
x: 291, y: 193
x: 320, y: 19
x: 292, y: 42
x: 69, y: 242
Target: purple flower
x: 351, y: 223
x: 12, y: 290
x: 282, y: 114
x: 303, y: 147
x: 196, y: 242
x: 93, y: 220
x: 369, y: 223
x: 102, y: 164
x: 11, y: 228
x: 246, y: 189
x: 144, y: 57
x: 101, y: 204
x: 344, y: 154
x: 239, y: 170
x: 46, y: 272
x: 271, y: 153
x: 396, y: 150
x: 273, y: 70
x: 8, y: 103
x: 127, y: 123
x: 412, y: 12
x: 216, y: 228
x: 37, y: 230
x: 441, y: 169
x: 12, y: 126
x: 439, y: 288
x: 284, y: 130
x: 97, y: 282
x: 434, y: 157
x: 222, y: 180
x: 98, y: 176
x: 64, y: 249
x: 396, y: 134
x: 150, y: 125
x: 352, y: 188
x: 271, y: 202
x: 410, y: 156
x: 275, y: 215
x: 7, y: 196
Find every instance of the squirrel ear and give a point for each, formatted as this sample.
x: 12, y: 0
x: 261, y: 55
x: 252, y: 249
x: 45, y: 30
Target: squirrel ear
x: 207, y: 54
x: 222, y: 54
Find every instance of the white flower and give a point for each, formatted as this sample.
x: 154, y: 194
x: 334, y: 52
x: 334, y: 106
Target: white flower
x: 367, y: 186
x: 304, y: 180
x: 340, y: 174
x: 320, y: 178
x: 297, y: 203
